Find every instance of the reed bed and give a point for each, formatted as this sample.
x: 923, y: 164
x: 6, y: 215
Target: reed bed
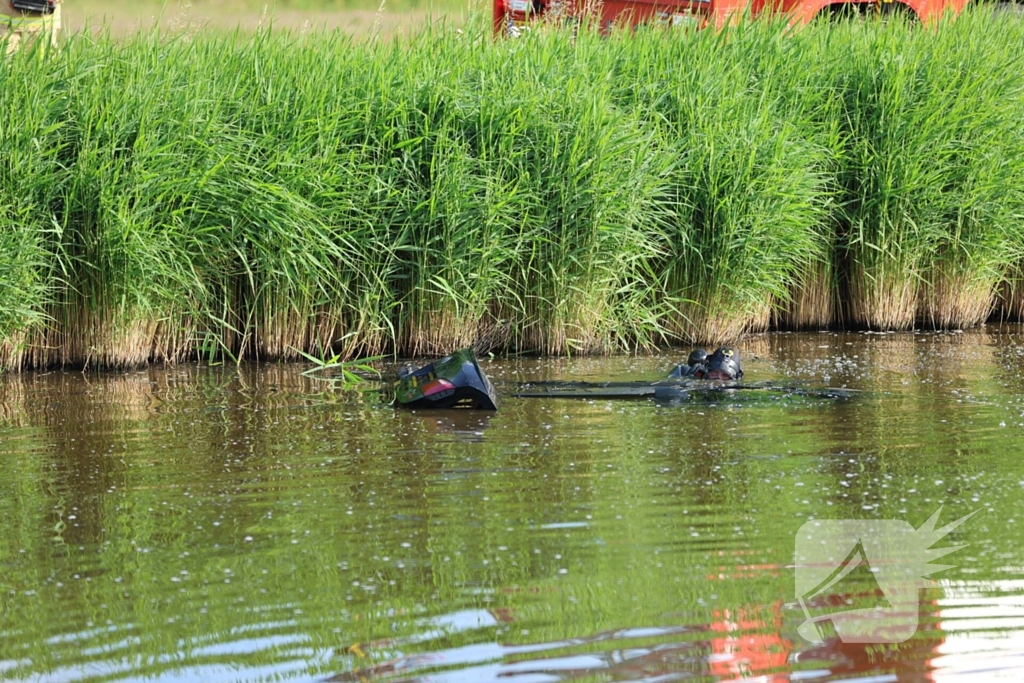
x: 166, y: 197
x: 932, y: 171
x: 747, y: 194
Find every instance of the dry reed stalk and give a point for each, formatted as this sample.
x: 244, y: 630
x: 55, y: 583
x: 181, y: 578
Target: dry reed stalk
x: 813, y: 302
x: 955, y: 300
x: 327, y: 336
x: 1011, y: 295
x: 363, y: 336
x: 548, y: 338
x: 509, y: 322
x: 695, y: 326
x: 438, y: 332
x: 226, y: 328
x: 573, y: 328
x: 324, y: 337
x: 78, y: 337
x: 884, y: 299
x: 718, y: 322
x: 760, y: 319
x: 281, y: 331
x: 492, y: 333
x: 175, y: 339
x: 12, y: 351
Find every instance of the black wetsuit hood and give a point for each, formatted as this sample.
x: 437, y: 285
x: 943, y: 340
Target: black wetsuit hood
x: 724, y: 363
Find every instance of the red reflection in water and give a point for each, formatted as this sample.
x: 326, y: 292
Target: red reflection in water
x: 738, y: 644
x: 749, y: 644
x: 910, y: 660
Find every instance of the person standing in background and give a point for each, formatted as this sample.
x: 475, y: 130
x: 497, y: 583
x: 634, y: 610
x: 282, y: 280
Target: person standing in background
x: 22, y: 21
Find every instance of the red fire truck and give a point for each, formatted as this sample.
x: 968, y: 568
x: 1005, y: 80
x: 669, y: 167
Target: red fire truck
x: 512, y: 15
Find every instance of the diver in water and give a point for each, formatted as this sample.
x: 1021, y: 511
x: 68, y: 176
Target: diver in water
x: 724, y: 363
x: 696, y: 366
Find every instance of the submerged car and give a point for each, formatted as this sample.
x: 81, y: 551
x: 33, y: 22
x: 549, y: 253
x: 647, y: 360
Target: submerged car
x: 455, y: 381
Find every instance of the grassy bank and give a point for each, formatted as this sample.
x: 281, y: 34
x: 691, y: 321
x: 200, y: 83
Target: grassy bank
x: 357, y: 17
x: 165, y: 197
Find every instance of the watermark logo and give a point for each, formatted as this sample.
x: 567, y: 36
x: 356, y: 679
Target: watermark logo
x: 862, y: 577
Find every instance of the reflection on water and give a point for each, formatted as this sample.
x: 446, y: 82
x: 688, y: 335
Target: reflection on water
x: 218, y: 524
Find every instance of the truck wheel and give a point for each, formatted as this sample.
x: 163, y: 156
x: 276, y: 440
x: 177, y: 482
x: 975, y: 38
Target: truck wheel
x: 897, y: 11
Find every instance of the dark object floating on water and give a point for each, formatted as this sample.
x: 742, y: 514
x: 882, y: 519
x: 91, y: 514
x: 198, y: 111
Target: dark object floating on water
x: 671, y: 390
x: 723, y: 364
x: 455, y: 381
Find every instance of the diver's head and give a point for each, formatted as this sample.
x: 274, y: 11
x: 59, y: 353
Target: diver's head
x: 697, y: 357
x: 724, y: 363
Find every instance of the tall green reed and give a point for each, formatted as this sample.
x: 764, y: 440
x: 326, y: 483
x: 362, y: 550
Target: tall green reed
x: 318, y: 254
x: 522, y: 196
x: 32, y: 146
x: 590, y: 170
x: 932, y: 168
x: 146, y: 207
x: 792, y: 69
x: 747, y: 189
x: 265, y: 195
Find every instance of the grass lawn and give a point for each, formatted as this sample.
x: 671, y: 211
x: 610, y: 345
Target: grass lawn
x: 354, y: 16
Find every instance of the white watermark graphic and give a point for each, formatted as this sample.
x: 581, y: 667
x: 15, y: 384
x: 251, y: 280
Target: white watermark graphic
x: 863, y: 577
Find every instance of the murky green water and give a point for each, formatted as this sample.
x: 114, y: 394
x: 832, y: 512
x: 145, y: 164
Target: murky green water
x: 204, y: 524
